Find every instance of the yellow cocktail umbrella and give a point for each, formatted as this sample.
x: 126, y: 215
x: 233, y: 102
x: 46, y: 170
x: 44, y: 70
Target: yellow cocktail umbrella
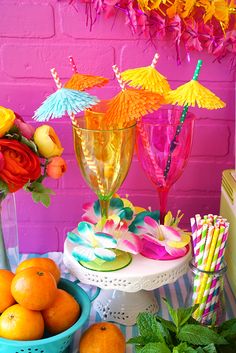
x: 129, y: 105
x: 147, y: 78
x: 81, y: 82
x: 190, y: 94
x: 193, y: 93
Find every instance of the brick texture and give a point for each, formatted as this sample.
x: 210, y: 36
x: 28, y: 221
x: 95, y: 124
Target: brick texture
x: 38, y: 35
x: 27, y: 20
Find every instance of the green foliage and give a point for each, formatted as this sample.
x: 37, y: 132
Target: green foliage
x: 3, y: 190
x: 182, y: 334
x: 39, y: 192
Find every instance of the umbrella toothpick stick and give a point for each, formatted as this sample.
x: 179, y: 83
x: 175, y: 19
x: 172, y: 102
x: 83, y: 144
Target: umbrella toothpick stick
x: 56, y: 78
x: 73, y: 66
x: 155, y: 60
x: 118, y: 77
x: 173, y: 143
x: 82, y: 82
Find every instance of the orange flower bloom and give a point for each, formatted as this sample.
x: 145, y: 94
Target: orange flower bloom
x: 21, y: 164
x: 56, y: 167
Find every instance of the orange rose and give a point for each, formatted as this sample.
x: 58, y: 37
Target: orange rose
x: 56, y: 167
x: 21, y: 164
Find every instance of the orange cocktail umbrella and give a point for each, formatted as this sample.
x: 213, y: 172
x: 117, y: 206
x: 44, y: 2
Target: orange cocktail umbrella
x: 129, y: 105
x: 82, y: 82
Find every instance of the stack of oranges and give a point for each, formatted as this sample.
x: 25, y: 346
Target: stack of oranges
x: 31, y: 303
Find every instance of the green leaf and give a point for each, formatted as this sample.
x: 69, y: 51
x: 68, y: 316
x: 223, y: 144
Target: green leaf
x: 30, y: 144
x: 150, y: 328
x: 210, y: 348
x: 184, y: 314
x: 4, y: 189
x: 200, y: 335
x: 138, y: 349
x: 36, y: 197
x: 227, y: 324
x: 136, y: 340
x: 200, y: 350
x: 230, y: 332
x: 181, y: 315
x: 167, y: 324
x: 183, y: 348
x: 155, y: 348
x: 45, y: 199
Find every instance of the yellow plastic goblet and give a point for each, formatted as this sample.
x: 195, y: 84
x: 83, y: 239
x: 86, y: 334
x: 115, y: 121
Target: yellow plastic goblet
x: 104, y: 156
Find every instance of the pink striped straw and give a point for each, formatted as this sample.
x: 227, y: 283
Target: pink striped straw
x: 194, y: 234
x: 72, y: 63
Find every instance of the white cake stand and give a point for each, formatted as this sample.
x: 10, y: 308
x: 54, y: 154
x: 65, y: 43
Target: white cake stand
x: 128, y: 291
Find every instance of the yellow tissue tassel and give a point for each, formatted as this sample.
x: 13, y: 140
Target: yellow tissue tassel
x: 81, y: 82
x: 130, y: 105
x: 192, y: 94
x: 147, y: 78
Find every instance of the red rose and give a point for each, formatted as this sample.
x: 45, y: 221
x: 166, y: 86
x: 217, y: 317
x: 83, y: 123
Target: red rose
x: 21, y: 164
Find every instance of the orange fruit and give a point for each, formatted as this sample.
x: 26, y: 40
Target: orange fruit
x: 62, y: 314
x: 34, y: 288
x: 19, y: 323
x: 6, y: 298
x: 44, y: 263
x: 103, y: 337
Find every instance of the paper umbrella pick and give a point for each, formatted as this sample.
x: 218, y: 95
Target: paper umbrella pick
x: 193, y: 93
x: 190, y: 94
x: 82, y: 82
x: 147, y: 78
x: 63, y: 101
x: 129, y: 105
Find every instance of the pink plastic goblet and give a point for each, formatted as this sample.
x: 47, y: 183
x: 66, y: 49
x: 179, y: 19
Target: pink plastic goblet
x: 163, y: 165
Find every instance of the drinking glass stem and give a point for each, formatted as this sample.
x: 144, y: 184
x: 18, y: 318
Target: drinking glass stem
x: 104, y: 204
x: 163, y: 195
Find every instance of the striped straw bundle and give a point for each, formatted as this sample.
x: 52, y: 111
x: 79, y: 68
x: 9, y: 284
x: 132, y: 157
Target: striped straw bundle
x: 209, y: 238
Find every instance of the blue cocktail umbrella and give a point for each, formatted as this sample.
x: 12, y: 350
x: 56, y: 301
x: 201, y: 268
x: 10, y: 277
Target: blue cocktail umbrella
x: 63, y: 101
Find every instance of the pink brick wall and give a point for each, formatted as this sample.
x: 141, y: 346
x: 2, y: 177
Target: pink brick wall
x: 38, y: 35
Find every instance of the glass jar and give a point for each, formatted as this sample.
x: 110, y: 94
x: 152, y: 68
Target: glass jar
x: 9, y: 250
x: 207, y: 290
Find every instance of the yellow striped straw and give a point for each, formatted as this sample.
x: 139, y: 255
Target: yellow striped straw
x: 207, y: 268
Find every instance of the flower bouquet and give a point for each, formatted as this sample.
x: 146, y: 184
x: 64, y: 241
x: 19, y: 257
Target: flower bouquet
x: 28, y: 156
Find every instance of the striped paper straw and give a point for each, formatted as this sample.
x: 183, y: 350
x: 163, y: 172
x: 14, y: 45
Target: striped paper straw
x: 203, y: 291
x: 56, y: 78
x: 91, y: 164
x: 118, y: 77
x: 193, y: 223
x: 202, y: 260
x: 72, y: 63
x: 157, y: 170
x: 200, y: 246
x: 211, y: 282
x: 207, y: 246
x: 219, y: 264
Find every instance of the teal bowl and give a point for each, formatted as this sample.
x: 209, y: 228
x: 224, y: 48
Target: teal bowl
x: 57, y: 343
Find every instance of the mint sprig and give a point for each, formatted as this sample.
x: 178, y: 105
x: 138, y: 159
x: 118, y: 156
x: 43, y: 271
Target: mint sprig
x: 182, y: 334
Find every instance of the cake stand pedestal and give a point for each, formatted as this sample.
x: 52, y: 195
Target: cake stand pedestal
x: 128, y: 291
